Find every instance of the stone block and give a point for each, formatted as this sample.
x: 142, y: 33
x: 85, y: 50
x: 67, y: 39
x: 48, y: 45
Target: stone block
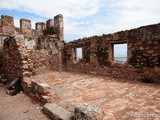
x: 56, y: 112
x: 150, y: 51
x: 25, y: 66
x: 2, y: 80
x: 26, y: 84
x: 43, y: 88
x: 27, y: 74
x: 88, y: 112
x: 46, y: 99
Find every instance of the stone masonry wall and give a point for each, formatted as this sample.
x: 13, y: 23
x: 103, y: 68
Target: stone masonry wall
x: 143, y: 60
x: 27, y: 50
x: 25, y: 27
x: 22, y: 62
x: 16, y: 62
x: 46, y: 48
x: 7, y: 25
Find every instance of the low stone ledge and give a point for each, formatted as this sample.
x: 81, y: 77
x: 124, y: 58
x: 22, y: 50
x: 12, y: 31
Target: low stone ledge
x: 37, y: 89
x: 56, y: 112
x: 88, y: 112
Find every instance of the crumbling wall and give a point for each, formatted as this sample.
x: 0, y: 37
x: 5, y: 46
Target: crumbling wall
x: 27, y: 50
x: 19, y: 61
x: 143, y: 54
x: 145, y: 47
x: 16, y: 62
x: 44, y: 45
x: 46, y: 48
x: 53, y: 46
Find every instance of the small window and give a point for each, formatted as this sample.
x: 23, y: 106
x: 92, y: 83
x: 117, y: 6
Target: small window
x: 120, y: 53
x: 79, y: 53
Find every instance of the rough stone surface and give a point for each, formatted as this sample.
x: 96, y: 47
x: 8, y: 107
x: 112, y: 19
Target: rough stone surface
x: 97, y: 54
x: 7, y: 25
x: 88, y: 112
x: 58, y: 26
x: 40, y: 27
x: 25, y: 26
x: 7, y: 20
x: 20, y: 60
x: 43, y: 88
x: 16, y: 58
x: 56, y: 112
x: 26, y: 84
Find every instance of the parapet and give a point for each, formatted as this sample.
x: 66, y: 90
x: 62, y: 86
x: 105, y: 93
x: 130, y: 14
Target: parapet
x: 25, y: 28
x: 7, y: 25
x: 40, y: 26
x: 7, y: 20
x: 51, y: 27
x: 58, y: 24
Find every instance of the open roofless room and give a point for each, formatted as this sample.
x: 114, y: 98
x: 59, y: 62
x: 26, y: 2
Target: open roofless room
x: 55, y: 66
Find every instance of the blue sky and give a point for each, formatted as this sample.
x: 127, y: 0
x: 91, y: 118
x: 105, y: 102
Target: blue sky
x: 120, y: 50
x: 84, y: 18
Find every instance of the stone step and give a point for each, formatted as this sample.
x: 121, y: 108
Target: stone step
x: 56, y: 112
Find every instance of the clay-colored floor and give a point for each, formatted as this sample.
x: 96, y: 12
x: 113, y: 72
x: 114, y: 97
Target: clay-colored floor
x: 116, y: 97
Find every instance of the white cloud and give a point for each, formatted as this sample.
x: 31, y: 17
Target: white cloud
x: 91, y: 17
x: 121, y: 15
x: 48, y: 8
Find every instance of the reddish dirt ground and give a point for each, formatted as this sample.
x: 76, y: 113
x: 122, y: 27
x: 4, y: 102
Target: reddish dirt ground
x: 116, y: 97
x: 19, y: 107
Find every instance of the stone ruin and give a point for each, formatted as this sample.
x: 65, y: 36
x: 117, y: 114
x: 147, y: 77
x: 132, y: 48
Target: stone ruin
x: 26, y: 49
x: 25, y: 52
x: 143, y: 54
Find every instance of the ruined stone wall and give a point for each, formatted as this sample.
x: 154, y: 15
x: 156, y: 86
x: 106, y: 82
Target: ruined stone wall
x: 53, y: 46
x: 46, y: 48
x: 27, y: 50
x: 143, y: 54
x: 16, y: 62
x: 145, y: 47
x: 19, y: 61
